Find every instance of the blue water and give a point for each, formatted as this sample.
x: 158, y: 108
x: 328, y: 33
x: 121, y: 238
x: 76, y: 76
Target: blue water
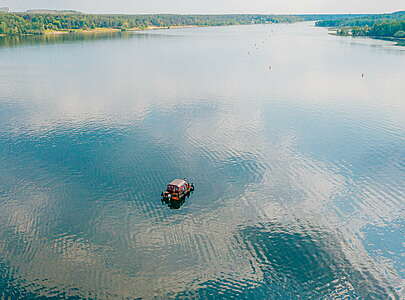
x: 298, y: 161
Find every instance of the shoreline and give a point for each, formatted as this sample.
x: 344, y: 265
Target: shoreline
x: 399, y: 41
x: 49, y: 32
x: 109, y: 30
x: 101, y: 30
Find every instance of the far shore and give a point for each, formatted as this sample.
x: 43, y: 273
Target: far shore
x: 102, y: 30
x: 399, y: 41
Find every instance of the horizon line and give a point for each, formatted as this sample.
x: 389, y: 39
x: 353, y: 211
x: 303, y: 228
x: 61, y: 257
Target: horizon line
x: 205, y: 14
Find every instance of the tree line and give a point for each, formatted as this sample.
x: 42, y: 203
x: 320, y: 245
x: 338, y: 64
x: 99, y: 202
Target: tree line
x: 386, y: 25
x: 38, y: 22
x: 34, y: 23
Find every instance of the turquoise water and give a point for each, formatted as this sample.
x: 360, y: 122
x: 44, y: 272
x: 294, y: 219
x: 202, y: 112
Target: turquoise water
x: 298, y: 161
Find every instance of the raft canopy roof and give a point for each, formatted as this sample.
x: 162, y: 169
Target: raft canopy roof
x: 178, y: 182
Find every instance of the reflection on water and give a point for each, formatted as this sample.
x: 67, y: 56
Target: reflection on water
x: 299, y: 168
x: 175, y: 204
x: 290, y: 257
x: 48, y: 39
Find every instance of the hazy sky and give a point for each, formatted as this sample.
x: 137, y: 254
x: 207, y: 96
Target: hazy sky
x: 213, y: 6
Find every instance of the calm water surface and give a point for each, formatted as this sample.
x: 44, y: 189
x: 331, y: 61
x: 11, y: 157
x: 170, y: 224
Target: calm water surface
x: 298, y: 161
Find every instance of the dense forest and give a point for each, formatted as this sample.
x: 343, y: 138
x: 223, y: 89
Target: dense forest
x: 385, y: 25
x: 35, y: 23
x: 39, y: 22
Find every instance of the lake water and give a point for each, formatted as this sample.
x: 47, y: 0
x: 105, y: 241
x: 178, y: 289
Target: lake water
x: 298, y: 162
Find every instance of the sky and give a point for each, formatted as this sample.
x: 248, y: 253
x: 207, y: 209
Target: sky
x: 211, y: 6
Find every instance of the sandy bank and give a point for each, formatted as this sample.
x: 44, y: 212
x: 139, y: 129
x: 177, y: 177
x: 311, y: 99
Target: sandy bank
x: 103, y: 30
